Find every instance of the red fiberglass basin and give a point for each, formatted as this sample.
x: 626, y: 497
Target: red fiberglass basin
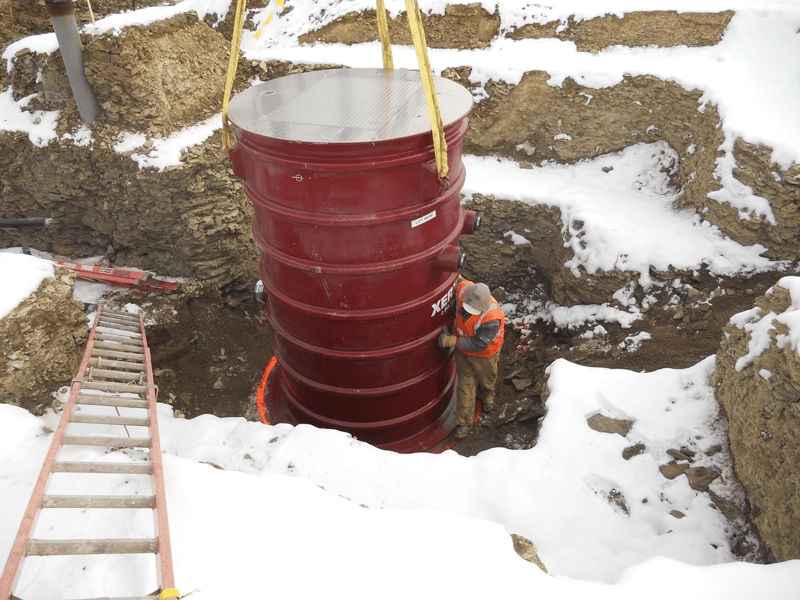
x: 360, y: 247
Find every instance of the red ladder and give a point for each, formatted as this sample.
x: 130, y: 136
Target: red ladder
x: 115, y: 372
x: 133, y: 278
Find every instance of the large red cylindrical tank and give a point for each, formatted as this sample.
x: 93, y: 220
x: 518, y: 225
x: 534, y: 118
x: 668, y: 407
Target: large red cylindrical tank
x: 360, y: 247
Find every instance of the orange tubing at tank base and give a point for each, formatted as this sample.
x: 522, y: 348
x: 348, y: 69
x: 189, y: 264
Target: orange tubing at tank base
x: 261, y: 391
x: 262, y: 407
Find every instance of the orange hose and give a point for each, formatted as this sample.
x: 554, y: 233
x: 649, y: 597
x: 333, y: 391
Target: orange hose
x: 262, y: 388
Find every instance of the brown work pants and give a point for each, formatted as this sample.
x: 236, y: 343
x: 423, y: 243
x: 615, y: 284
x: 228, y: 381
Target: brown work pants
x: 474, y: 372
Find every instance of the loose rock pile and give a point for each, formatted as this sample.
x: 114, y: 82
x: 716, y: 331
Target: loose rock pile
x: 41, y: 343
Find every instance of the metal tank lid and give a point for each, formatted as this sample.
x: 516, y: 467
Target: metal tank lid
x: 345, y: 105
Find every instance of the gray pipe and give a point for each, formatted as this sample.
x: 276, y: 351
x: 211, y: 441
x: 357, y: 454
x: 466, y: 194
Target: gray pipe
x: 69, y: 43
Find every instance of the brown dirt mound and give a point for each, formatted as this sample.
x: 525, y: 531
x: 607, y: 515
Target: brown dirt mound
x: 41, y: 343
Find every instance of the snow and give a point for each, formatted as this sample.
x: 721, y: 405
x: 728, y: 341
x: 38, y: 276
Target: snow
x: 40, y: 125
x: 289, y: 501
x: 627, y: 218
x: 517, y: 239
x: 760, y: 326
x: 166, y: 152
x: 40, y: 44
x: 21, y: 276
x: 634, y: 341
x: 570, y: 317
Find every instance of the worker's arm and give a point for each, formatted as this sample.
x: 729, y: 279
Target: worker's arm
x: 484, y: 336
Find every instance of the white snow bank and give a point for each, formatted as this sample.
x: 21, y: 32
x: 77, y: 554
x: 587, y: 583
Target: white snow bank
x: 622, y: 219
x: 759, y: 325
x: 151, y: 14
x: 555, y: 493
x: 40, y: 125
x: 21, y: 275
x: 287, y: 503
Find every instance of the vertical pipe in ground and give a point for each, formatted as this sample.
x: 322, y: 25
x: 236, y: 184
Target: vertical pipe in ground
x: 62, y: 15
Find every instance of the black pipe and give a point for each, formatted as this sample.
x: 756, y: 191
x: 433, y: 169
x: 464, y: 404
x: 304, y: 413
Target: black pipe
x: 27, y: 223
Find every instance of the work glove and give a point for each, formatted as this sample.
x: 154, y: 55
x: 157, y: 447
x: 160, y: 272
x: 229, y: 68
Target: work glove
x: 446, y: 340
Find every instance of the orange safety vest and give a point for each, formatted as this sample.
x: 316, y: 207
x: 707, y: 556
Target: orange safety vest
x: 466, y: 328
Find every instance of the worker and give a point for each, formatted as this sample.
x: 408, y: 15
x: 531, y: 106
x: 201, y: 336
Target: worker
x: 479, y: 331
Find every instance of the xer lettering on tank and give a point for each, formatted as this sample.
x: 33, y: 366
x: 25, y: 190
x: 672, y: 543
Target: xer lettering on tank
x: 445, y: 303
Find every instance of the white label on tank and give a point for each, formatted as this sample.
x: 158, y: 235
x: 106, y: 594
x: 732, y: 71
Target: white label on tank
x: 425, y: 219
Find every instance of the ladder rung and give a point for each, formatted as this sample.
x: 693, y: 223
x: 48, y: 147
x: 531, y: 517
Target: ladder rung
x: 74, y: 547
x: 97, y: 400
x: 98, y: 502
x: 110, y: 420
x: 111, y: 386
x: 120, y: 315
x: 123, y: 323
x: 141, y: 468
x: 111, y: 337
x: 123, y: 355
x: 113, y: 331
x: 112, y: 374
x: 116, y: 364
x: 119, y: 347
x: 107, y: 441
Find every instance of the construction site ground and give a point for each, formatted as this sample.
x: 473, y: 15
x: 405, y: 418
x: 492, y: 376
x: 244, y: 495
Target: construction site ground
x: 209, y: 352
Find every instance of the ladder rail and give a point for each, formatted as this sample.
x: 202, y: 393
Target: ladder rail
x: 165, y: 575
x: 19, y: 547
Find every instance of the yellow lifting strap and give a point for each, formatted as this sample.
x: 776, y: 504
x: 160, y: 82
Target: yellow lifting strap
x: 236, y: 43
x: 421, y: 48
x: 383, y: 34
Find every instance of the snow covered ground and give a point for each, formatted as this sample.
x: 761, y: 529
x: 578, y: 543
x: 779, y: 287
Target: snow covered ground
x: 260, y: 510
x: 301, y: 512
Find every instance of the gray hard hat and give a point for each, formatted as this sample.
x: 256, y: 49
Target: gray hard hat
x: 477, y: 299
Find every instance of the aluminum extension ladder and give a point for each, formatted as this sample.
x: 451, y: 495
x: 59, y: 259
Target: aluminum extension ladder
x: 115, y: 373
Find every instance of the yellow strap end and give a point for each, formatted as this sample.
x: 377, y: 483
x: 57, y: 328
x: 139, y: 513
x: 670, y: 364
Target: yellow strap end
x: 169, y: 593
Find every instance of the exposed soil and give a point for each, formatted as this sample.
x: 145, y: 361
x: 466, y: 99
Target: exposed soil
x: 208, y: 356
x: 471, y: 26
x: 663, y: 28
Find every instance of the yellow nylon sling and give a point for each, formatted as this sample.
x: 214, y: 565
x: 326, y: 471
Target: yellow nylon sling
x: 432, y: 102
x: 236, y: 43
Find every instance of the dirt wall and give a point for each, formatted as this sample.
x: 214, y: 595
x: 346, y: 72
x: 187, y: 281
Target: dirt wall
x: 471, y: 26
x: 781, y: 187
x: 762, y: 402
x: 43, y: 337
x: 192, y: 219
x: 461, y: 26
x: 651, y: 28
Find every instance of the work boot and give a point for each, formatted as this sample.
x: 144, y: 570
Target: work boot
x: 461, y: 432
x: 488, y: 407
